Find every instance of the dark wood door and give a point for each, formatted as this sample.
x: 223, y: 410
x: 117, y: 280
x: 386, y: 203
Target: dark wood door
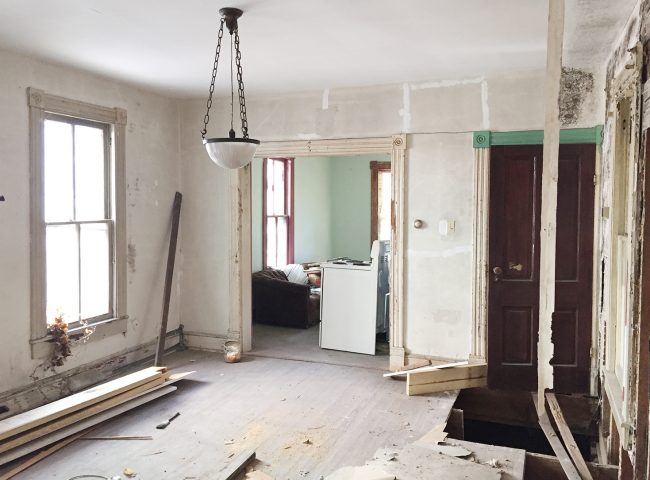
x: 515, y: 207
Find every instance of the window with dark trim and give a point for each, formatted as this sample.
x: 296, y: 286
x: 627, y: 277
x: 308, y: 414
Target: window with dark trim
x: 277, y: 212
x: 380, y: 201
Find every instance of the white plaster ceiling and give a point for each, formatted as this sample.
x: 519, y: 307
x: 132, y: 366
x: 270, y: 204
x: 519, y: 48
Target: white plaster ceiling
x: 296, y: 45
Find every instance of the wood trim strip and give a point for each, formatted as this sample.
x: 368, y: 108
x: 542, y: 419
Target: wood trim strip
x: 487, y: 139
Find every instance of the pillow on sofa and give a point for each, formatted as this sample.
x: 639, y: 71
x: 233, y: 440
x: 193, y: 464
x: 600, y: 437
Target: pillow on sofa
x: 296, y: 274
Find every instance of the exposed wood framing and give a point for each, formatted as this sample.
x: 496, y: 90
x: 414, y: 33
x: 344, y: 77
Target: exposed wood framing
x: 395, y: 146
x: 549, y: 199
x: 554, y: 441
x: 545, y: 467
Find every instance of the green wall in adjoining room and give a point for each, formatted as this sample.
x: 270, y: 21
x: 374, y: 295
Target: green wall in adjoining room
x: 331, y: 208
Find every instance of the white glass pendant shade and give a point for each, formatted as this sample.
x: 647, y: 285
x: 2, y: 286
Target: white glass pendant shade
x: 231, y: 152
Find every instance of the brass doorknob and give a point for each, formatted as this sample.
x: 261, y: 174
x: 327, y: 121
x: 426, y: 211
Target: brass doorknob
x: 498, y: 271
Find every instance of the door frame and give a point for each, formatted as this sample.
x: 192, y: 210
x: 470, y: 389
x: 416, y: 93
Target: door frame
x: 240, y: 324
x: 482, y: 141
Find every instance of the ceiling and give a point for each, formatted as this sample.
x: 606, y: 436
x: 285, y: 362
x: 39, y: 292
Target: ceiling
x: 297, y: 45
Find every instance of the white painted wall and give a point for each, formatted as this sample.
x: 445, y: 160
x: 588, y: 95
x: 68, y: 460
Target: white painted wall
x: 439, y: 118
x: 153, y: 175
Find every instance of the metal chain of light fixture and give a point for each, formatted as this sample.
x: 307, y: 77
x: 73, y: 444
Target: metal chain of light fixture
x: 206, y: 119
x: 240, y: 84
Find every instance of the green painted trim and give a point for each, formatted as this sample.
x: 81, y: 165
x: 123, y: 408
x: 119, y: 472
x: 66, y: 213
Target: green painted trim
x: 486, y: 139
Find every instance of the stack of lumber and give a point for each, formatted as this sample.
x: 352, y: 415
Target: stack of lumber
x: 32, y: 430
x: 440, y: 378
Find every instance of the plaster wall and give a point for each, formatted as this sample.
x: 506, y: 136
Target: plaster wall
x: 153, y: 175
x: 438, y: 118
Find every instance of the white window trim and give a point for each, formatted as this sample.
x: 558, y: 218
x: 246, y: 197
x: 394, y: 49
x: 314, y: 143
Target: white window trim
x: 40, y: 104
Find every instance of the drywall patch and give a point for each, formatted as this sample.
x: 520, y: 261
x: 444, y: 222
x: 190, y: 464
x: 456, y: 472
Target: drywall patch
x: 485, y: 105
x: 575, y: 86
x: 130, y: 257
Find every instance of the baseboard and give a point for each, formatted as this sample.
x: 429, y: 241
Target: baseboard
x: 79, y: 378
x: 209, y: 342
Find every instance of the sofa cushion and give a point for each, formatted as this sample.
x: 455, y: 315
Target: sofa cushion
x: 271, y: 273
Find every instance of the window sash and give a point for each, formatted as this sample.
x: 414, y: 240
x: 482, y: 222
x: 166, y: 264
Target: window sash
x: 277, y: 201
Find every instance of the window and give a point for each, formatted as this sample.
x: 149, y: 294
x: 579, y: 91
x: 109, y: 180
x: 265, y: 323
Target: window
x: 380, y: 201
x: 78, y: 193
x: 277, y: 211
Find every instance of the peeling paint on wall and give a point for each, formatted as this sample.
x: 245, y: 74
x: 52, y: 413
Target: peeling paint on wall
x: 576, y: 86
x: 130, y: 257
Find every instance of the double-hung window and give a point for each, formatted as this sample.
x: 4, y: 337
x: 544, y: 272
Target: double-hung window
x: 277, y: 210
x: 78, y: 234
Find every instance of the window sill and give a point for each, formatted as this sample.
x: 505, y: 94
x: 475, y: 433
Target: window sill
x: 42, y: 347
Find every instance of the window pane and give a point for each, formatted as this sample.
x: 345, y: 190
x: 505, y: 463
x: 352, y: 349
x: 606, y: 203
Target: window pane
x: 278, y: 188
x: 95, y: 270
x: 57, y: 171
x: 271, y: 245
x: 384, y: 192
x: 62, y: 265
x: 282, y: 242
x: 269, y: 186
x: 89, y: 163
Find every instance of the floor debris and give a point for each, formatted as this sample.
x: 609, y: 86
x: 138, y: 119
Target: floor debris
x: 162, y: 426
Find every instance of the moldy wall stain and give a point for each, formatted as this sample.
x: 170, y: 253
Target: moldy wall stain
x: 576, y: 86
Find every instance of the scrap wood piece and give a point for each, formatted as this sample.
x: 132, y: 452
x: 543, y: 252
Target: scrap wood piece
x: 102, y: 406
x: 366, y: 472
x: 556, y: 445
x: 465, y: 376
x: 567, y: 437
x: 169, y: 277
x: 43, y: 454
x: 38, y: 416
x: 426, y: 368
x: 84, y: 424
x: 237, y: 466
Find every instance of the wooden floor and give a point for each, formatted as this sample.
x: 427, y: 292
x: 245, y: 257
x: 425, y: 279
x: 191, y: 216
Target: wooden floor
x: 304, y: 419
x: 302, y: 344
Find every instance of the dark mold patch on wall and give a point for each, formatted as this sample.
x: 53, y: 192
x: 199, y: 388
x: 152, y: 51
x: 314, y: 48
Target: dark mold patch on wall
x: 575, y: 86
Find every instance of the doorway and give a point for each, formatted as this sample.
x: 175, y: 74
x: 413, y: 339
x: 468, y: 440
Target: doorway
x: 513, y: 262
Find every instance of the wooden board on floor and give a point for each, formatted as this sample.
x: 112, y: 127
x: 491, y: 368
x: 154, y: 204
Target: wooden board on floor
x: 84, y: 424
x: 26, y: 437
x: 38, y: 416
x: 465, y: 376
x: 567, y: 437
x: 237, y: 465
x: 426, y: 368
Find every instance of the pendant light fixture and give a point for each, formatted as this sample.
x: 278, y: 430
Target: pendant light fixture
x: 230, y: 152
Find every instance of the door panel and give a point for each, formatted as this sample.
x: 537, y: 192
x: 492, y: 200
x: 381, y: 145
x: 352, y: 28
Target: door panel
x: 515, y: 207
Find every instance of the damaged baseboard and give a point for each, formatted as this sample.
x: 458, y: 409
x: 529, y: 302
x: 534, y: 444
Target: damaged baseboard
x: 210, y: 342
x: 79, y: 378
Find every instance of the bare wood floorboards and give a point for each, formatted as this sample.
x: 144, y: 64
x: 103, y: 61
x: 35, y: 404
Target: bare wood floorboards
x: 303, y: 419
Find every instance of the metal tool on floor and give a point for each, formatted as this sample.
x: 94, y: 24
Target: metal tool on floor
x: 164, y: 425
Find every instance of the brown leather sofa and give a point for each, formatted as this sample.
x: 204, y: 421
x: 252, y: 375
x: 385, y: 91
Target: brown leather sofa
x: 277, y: 301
